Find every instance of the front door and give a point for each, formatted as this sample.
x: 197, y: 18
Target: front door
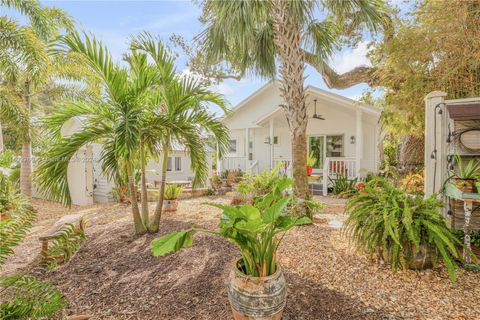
x: 317, y: 147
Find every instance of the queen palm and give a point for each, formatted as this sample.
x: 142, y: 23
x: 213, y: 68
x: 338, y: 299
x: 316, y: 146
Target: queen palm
x: 180, y: 104
x: 26, y: 70
x: 261, y: 37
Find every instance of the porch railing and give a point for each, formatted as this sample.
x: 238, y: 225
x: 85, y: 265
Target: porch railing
x: 335, y: 167
x: 286, y: 167
x: 234, y: 163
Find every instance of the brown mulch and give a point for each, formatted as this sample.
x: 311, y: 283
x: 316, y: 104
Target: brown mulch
x: 114, y: 275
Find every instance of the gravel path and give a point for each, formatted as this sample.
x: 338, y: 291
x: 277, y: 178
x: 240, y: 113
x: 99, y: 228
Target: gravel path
x: 114, y: 276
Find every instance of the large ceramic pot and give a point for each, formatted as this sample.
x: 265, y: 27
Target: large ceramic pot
x: 170, y: 205
x: 256, y: 298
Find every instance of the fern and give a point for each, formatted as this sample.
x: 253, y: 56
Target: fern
x: 65, y: 244
x: 31, y: 298
x: 387, y: 221
x: 14, y: 230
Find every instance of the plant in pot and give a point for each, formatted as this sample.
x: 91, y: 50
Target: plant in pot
x: 256, y: 288
x: 170, y: 202
x: 406, y: 231
x: 310, y: 163
x: 464, y: 178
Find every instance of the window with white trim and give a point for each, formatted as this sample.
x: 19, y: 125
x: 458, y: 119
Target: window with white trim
x: 233, y: 146
x: 178, y: 163
x: 169, y: 164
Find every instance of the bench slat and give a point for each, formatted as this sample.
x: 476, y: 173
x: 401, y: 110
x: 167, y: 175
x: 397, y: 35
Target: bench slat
x: 68, y: 219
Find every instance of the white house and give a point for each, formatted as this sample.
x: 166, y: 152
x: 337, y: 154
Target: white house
x: 342, y: 133
x: 89, y: 185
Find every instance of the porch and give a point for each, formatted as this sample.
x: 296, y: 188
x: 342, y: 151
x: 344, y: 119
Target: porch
x: 320, y: 180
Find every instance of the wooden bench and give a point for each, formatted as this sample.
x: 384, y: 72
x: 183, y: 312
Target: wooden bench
x: 77, y: 220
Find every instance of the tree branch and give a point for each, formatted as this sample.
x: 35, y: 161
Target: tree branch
x: 333, y: 80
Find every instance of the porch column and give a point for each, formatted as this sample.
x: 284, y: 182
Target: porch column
x: 219, y: 162
x: 358, y: 141
x: 271, y: 143
x: 246, y: 148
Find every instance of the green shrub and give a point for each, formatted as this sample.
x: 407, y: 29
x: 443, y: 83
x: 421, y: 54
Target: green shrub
x: 172, y: 191
x: 343, y: 187
x: 256, y: 230
x: 31, y: 298
x: 65, y: 244
x: 385, y: 220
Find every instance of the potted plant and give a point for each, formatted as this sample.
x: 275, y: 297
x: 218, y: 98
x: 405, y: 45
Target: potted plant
x: 405, y: 230
x: 172, y: 191
x: 464, y: 179
x: 310, y: 163
x: 256, y: 286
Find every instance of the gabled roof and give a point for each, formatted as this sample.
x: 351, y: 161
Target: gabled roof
x: 312, y: 89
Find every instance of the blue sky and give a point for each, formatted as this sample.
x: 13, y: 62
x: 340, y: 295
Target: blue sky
x: 114, y: 21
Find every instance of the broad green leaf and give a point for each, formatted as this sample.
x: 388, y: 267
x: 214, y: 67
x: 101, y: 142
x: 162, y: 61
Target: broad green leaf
x: 171, y: 243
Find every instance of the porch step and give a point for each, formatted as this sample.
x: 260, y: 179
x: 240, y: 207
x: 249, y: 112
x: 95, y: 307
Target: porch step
x: 316, y: 189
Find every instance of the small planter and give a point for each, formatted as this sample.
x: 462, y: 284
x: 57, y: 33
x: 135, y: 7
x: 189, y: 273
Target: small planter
x: 256, y: 298
x: 464, y: 185
x: 170, y: 205
x: 4, y: 216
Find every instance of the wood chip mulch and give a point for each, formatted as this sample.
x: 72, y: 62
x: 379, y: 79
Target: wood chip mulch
x: 114, y: 276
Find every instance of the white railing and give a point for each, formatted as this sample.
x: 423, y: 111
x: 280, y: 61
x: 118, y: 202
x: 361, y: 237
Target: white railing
x: 286, y: 167
x: 234, y: 163
x: 252, y: 166
x: 335, y: 167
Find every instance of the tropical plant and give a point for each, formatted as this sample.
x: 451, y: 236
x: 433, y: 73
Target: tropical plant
x: 172, y: 191
x: 468, y: 171
x: 32, y: 298
x: 183, y: 114
x: 257, y: 230
x: 28, y: 71
x: 385, y: 220
x: 264, y: 37
x: 342, y: 186
x: 311, y: 159
x: 64, y: 244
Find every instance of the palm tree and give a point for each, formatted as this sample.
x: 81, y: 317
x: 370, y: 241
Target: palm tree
x: 114, y: 120
x: 25, y: 66
x: 253, y: 36
x: 181, y: 106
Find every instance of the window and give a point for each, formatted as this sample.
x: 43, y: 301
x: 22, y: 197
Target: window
x: 335, y: 146
x: 233, y: 146
x: 275, y: 140
x: 250, y: 156
x: 178, y: 163
x: 169, y: 164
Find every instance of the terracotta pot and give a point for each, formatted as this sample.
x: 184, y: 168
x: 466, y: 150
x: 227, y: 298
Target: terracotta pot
x: 465, y: 185
x: 4, y: 216
x: 309, y: 171
x: 256, y: 298
x: 425, y: 258
x: 170, y: 205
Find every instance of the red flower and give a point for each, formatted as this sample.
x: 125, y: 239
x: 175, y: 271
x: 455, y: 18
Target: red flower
x: 360, y: 186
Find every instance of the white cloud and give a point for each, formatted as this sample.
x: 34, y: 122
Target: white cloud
x: 223, y: 88
x: 346, y: 61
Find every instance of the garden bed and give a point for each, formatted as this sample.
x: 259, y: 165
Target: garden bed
x: 114, y: 275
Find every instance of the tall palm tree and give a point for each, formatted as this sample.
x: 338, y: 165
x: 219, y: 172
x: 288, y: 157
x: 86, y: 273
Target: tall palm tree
x: 266, y: 37
x: 114, y: 120
x: 181, y: 106
x: 25, y: 66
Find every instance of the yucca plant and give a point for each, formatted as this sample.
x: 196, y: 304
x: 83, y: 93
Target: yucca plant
x: 342, y: 186
x: 257, y: 230
x: 172, y: 191
x: 385, y: 220
x: 464, y: 178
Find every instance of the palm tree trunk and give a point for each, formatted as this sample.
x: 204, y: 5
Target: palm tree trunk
x: 144, y: 195
x: 26, y: 160
x: 137, y: 219
x: 1, y: 138
x: 288, y: 40
x: 158, y: 210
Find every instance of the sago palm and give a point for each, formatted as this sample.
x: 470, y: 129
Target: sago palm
x: 266, y: 37
x: 180, y: 104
